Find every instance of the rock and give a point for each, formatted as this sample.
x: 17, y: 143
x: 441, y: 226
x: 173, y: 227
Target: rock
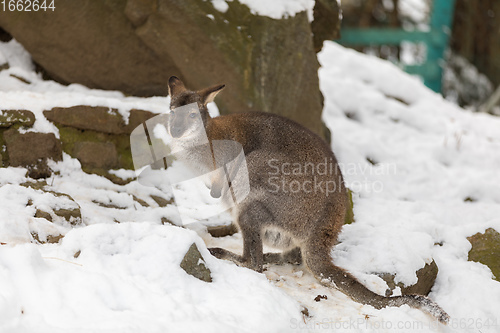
x: 261, y: 60
x: 43, y: 214
x: 70, y: 137
x: 96, y: 154
x: 326, y: 23
x: 349, y: 216
x: 98, y: 118
x: 12, y: 117
x: 51, y: 239
x: 486, y: 250
x: 72, y: 215
x: 222, y: 230
x: 162, y: 202
x: 426, y: 277
x: 140, y: 201
x: 114, y: 57
x: 138, y: 11
x: 267, y: 64
x: 194, y: 264
x: 39, y: 185
x: 109, y: 205
x: 39, y: 170
x: 165, y: 220
x: 29, y: 148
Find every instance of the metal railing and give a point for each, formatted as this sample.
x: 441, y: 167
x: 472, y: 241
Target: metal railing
x: 436, y: 39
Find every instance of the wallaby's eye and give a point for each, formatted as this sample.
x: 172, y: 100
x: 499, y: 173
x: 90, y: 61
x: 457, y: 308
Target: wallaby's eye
x: 172, y: 112
x: 192, y: 115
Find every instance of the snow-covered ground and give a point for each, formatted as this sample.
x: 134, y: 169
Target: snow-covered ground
x: 424, y: 175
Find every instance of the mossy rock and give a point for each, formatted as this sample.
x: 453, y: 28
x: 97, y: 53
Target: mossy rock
x: 70, y: 138
x: 96, y: 154
x: 349, y: 216
x: 426, y: 277
x: 194, y: 264
x: 4, y: 157
x: 9, y: 118
x: 486, y: 250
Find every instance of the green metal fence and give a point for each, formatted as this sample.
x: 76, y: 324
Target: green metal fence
x: 436, y: 39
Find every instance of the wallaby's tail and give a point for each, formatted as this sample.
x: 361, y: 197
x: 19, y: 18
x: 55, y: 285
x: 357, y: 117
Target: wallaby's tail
x: 327, y: 273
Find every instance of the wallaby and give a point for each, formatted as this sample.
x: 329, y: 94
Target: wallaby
x: 297, y: 200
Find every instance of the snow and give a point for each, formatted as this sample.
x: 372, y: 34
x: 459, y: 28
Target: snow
x: 220, y: 5
x: 276, y: 9
x: 127, y: 278
x: 417, y: 11
x: 432, y: 156
x: 427, y: 156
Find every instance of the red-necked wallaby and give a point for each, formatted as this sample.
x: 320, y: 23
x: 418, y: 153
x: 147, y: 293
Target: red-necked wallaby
x: 297, y: 199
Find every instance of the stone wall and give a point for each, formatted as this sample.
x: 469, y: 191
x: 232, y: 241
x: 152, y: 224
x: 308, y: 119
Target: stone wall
x: 98, y: 137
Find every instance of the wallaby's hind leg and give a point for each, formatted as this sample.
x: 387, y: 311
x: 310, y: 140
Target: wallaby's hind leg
x: 249, y: 220
x: 293, y: 257
x: 252, y: 255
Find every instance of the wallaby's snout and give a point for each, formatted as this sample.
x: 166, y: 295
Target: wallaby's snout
x: 185, y: 120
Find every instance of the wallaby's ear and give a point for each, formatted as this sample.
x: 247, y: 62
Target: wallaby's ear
x: 175, y: 86
x: 208, y: 94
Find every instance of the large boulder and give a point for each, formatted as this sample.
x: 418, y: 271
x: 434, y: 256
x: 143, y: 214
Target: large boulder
x: 92, y: 43
x: 135, y: 45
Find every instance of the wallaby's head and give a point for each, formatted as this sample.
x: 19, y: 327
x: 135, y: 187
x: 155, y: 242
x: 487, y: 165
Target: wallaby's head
x: 188, y: 109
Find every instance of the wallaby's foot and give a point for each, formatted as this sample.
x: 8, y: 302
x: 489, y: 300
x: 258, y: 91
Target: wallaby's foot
x: 293, y: 257
x: 224, y: 254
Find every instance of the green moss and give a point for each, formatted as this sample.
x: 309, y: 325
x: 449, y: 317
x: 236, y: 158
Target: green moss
x: 70, y: 136
x: 349, y: 217
x: 4, y: 157
x: 16, y: 118
x: 486, y: 250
